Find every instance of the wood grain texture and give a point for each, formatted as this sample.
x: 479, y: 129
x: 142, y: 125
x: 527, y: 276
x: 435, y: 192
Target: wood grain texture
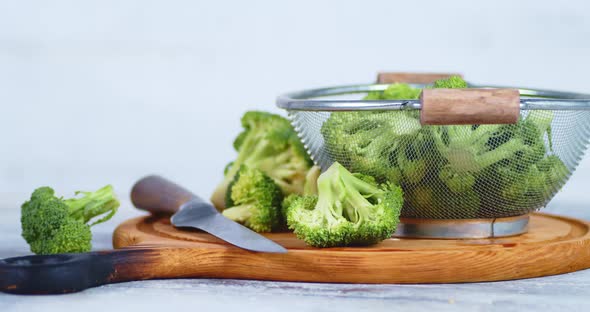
x: 401, y: 77
x: 553, y: 245
x: 469, y: 106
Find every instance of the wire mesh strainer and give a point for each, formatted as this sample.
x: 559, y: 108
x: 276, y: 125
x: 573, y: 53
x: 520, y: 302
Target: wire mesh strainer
x: 440, y: 177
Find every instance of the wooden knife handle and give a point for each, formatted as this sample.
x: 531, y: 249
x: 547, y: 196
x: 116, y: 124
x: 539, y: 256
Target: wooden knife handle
x: 158, y: 195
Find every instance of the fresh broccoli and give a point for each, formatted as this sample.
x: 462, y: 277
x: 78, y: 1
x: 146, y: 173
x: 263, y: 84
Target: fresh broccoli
x: 396, y: 91
x: 453, y: 82
x: 434, y: 200
x: 268, y: 143
x: 365, y: 141
x: 53, y: 225
x: 310, y: 188
x: 532, y: 186
x: 256, y: 200
x: 350, y: 209
x: 446, y: 169
x: 467, y: 153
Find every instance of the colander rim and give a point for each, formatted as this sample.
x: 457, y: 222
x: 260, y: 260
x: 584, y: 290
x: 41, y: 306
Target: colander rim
x: 531, y: 99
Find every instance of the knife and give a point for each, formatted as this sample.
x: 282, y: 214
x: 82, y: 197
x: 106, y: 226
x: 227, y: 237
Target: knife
x: 160, y: 196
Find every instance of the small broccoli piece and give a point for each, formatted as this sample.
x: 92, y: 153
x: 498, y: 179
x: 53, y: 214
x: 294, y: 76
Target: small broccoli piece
x: 467, y: 152
x: 435, y: 200
x: 369, y: 142
x: 456, y: 181
x: 396, y: 91
x: 555, y: 171
x: 53, y: 225
x: 256, y: 201
x: 310, y: 188
x: 400, y: 91
x: 410, y: 159
x: 350, y: 209
x: 453, y: 82
x: 533, y: 187
x: 364, y: 141
x: 524, y: 187
x: 268, y: 143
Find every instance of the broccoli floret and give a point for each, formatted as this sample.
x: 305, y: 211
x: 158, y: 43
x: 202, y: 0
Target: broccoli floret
x: 434, y: 200
x: 53, y: 225
x: 532, y: 187
x: 256, y: 201
x: 449, y: 171
x: 268, y: 143
x: 467, y: 153
x: 365, y: 141
x: 350, y: 209
x: 453, y: 82
x: 396, y: 91
x: 310, y: 188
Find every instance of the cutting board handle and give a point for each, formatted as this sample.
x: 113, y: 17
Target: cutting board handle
x: 158, y: 195
x: 66, y: 273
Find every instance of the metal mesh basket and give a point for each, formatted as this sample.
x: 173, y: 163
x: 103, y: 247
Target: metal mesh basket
x: 384, y: 139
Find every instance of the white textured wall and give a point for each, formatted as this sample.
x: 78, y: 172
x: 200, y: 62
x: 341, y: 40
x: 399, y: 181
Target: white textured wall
x: 96, y: 92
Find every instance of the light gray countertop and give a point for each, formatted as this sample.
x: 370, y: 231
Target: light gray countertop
x: 564, y: 292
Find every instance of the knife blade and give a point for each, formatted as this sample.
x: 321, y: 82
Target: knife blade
x: 158, y: 195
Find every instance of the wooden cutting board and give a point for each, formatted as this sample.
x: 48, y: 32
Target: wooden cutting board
x: 553, y: 245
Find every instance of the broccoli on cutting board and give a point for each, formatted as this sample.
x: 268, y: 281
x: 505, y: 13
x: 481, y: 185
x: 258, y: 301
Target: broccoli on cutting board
x: 349, y: 210
x: 53, y: 225
x: 255, y: 200
x: 268, y: 143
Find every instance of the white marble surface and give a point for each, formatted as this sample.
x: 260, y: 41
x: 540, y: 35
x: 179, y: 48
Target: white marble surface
x: 568, y: 292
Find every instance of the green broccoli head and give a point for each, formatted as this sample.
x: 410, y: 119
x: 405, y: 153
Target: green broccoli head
x: 350, y: 209
x: 366, y: 141
x: 256, y: 201
x: 396, y: 91
x: 268, y: 143
x: 71, y: 236
x: 456, y: 181
x: 433, y: 200
x: 533, y: 186
x: 467, y: 152
x: 42, y: 215
x: 54, y: 225
x: 444, y: 170
x: 310, y: 188
x: 453, y: 82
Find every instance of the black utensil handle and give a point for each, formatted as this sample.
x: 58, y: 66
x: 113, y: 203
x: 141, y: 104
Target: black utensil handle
x: 158, y: 195
x: 65, y: 273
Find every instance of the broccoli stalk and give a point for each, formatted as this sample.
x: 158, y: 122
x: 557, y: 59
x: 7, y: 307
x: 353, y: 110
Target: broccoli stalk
x: 268, y: 143
x: 256, y: 201
x: 53, y: 225
x: 350, y: 209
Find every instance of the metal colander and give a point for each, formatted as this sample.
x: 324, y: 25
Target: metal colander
x: 418, y: 168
